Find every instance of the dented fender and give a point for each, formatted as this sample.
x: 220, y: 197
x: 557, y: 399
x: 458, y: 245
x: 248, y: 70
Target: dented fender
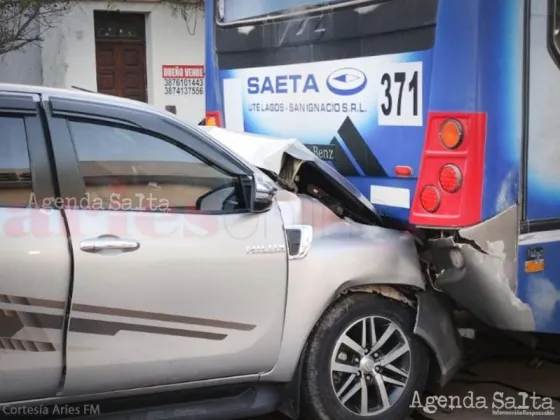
x: 435, y: 325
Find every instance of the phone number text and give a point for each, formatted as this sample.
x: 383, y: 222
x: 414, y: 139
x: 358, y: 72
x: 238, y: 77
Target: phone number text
x: 184, y: 90
x: 183, y: 82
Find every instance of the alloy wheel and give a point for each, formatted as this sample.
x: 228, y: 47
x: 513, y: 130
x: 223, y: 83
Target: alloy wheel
x: 370, y: 366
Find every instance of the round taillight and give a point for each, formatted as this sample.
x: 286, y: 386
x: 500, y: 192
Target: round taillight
x: 430, y: 198
x: 450, y: 178
x: 451, y: 134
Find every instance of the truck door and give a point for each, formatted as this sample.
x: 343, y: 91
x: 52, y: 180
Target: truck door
x: 165, y: 290
x: 34, y: 258
x: 539, y: 246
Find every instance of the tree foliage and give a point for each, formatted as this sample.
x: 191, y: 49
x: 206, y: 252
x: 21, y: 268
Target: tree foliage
x: 185, y: 5
x: 23, y: 22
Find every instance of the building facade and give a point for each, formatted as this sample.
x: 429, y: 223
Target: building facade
x: 140, y: 50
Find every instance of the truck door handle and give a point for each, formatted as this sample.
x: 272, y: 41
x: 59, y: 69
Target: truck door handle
x: 108, y: 242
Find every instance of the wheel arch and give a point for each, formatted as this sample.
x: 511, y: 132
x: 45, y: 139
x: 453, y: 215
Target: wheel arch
x: 444, y: 359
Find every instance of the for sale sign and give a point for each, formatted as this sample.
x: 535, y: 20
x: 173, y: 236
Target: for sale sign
x: 183, y: 79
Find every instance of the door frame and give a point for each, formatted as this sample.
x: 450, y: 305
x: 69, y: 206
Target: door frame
x: 34, y: 309
x: 537, y: 225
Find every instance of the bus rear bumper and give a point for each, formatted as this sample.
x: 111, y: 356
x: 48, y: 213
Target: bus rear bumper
x: 477, y: 268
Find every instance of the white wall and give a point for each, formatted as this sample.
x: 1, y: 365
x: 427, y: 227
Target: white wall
x: 68, y: 53
x: 22, y: 66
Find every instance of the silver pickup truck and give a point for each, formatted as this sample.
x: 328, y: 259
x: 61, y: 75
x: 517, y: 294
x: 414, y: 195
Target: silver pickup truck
x: 145, y: 256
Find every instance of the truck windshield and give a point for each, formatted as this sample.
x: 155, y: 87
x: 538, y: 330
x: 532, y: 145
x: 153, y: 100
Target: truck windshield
x: 230, y: 12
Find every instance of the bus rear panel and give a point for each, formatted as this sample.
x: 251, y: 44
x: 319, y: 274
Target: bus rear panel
x: 372, y: 86
x: 351, y: 81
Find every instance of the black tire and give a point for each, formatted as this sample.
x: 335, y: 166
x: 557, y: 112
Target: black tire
x: 319, y: 399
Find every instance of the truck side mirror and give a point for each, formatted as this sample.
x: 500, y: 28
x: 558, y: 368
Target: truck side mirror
x: 263, y: 193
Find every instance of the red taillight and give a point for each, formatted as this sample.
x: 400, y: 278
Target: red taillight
x: 449, y: 189
x: 213, y: 118
x: 430, y: 198
x: 450, y: 178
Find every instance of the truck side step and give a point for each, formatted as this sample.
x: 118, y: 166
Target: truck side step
x: 254, y: 401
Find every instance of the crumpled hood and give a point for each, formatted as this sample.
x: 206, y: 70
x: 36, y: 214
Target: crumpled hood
x: 263, y: 152
x: 269, y: 153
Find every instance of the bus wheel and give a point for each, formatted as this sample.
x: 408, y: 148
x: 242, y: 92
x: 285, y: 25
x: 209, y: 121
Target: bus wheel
x: 364, y: 361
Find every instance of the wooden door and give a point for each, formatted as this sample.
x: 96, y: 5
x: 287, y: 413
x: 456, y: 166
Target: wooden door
x: 121, y: 54
x: 121, y: 69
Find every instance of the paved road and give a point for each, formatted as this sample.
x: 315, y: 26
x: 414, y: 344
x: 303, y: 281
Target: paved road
x: 500, y: 384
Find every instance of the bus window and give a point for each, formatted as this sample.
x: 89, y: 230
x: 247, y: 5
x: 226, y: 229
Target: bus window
x: 236, y: 11
x: 382, y: 29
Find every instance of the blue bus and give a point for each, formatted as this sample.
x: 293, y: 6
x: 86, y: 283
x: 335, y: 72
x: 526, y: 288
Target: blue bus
x: 442, y: 112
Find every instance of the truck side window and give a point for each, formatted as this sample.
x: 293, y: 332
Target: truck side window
x: 130, y: 170
x: 15, y: 172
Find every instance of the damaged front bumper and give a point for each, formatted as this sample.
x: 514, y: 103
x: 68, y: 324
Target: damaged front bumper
x: 477, y: 268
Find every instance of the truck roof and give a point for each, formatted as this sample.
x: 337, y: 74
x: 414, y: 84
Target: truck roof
x: 78, y: 95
